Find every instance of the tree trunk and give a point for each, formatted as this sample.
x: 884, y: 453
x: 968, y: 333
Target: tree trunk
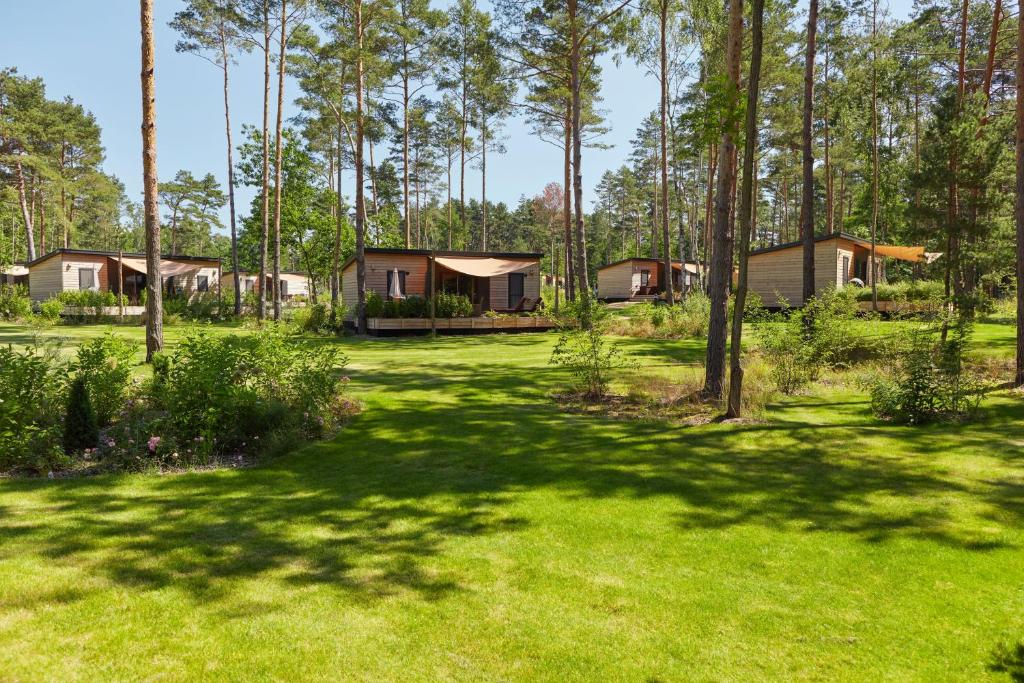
x: 582, y: 278
x: 278, y: 147
x: 874, y: 155
x: 261, y: 305
x: 721, y: 250
x: 339, y: 222
x: 30, y: 238
x: 807, y: 197
x: 231, y: 175
x: 1019, y: 377
x: 462, y: 141
x: 405, y: 143
x: 360, y: 199
x: 746, y: 203
x: 570, y: 281
x: 483, y: 180
x: 449, y: 202
x: 669, y: 294
x: 151, y: 207
x: 829, y: 201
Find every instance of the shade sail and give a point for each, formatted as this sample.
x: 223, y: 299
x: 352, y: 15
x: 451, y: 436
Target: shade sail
x: 913, y: 254
x: 168, y: 268
x: 481, y: 266
x: 689, y: 267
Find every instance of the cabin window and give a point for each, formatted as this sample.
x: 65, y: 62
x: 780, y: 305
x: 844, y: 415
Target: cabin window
x: 86, y: 279
x: 248, y: 284
x: 401, y: 282
x: 516, y: 288
x: 645, y: 278
x: 282, y: 286
x: 203, y: 283
x: 862, y: 270
x: 846, y: 270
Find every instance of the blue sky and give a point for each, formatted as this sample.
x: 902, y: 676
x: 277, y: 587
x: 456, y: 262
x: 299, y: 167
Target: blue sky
x: 90, y: 51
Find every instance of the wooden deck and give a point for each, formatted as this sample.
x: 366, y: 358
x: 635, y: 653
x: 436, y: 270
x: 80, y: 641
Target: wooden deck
x: 474, y: 325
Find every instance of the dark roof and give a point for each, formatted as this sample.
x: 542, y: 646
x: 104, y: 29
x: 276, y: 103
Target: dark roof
x: 641, y: 258
x: 436, y: 252
x: 114, y: 254
x: 821, y: 238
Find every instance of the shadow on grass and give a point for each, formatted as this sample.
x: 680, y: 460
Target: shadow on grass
x: 444, y: 451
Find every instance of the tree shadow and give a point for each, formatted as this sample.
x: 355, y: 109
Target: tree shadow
x: 446, y: 448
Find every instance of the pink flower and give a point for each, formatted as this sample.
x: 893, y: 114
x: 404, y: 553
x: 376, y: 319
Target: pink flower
x: 153, y: 442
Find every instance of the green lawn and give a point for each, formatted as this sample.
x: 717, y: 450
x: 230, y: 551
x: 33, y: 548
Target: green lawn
x: 462, y: 527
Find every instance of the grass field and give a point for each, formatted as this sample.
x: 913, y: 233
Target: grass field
x: 462, y: 527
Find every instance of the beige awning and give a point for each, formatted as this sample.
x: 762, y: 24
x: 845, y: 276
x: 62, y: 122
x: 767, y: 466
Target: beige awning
x: 168, y: 268
x: 913, y: 254
x: 689, y: 267
x: 481, y: 266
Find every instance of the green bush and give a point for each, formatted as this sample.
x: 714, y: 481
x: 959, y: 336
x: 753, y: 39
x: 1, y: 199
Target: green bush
x: 80, y: 429
x: 586, y: 353
x: 14, y: 302
x: 223, y: 394
x: 104, y: 364
x: 374, y: 305
x: 448, y: 305
x: 314, y: 318
x: 50, y: 310
x: 799, y: 343
x: 415, y: 307
x: 30, y: 409
x: 89, y: 299
x: 198, y: 306
x: 927, y: 380
x: 923, y: 290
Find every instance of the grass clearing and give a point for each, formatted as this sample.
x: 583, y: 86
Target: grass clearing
x: 463, y: 527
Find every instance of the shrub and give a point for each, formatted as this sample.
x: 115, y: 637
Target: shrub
x: 374, y: 305
x: 104, y: 364
x: 448, y: 305
x: 415, y: 307
x: 315, y: 318
x: 928, y: 380
x: 80, y: 429
x: 799, y: 343
x: 50, y: 310
x: 30, y: 409
x: 14, y: 302
x: 923, y: 290
x: 221, y: 393
x: 587, y: 354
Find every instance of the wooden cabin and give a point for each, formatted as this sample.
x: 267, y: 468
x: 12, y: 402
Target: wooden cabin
x: 776, y: 273
x: 14, y: 275
x: 641, y: 279
x: 293, y: 283
x: 493, y: 281
x: 84, y: 269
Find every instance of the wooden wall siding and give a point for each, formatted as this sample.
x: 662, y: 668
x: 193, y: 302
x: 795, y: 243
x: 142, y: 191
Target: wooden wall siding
x: 780, y: 273
x: 623, y: 280
x: 60, y: 273
x: 617, y: 282
x: 377, y: 268
x: 188, y: 280
x: 45, y: 279
x: 531, y: 286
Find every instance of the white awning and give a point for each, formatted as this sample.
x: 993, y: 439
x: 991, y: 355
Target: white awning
x: 482, y: 266
x: 168, y: 267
